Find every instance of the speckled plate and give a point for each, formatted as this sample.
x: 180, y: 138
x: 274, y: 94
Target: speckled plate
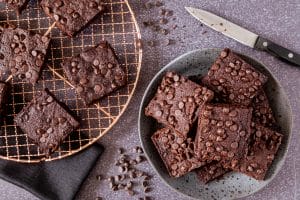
x: 233, y: 185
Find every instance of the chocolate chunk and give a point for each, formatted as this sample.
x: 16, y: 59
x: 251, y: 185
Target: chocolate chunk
x: 89, y: 85
x: 223, y: 143
x: 17, y: 5
x: 72, y: 16
x: 34, y: 121
x: 262, y: 112
x: 179, y: 157
x: 3, y: 97
x: 234, y: 79
x: 23, y: 53
x: 264, y: 145
x: 211, y: 171
x: 177, y: 101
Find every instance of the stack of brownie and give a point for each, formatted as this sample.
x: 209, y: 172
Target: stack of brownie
x: 235, y: 134
x: 94, y: 73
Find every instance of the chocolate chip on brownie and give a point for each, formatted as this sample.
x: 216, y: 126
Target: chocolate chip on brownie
x: 72, y: 16
x: 45, y: 122
x: 95, y: 72
x: 176, y: 152
x: 262, y: 112
x: 211, y: 171
x: 17, y: 5
x: 21, y: 53
x: 177, y: 101
x: 234, y: 79
x: 263, y: 148
x: 223, y: 133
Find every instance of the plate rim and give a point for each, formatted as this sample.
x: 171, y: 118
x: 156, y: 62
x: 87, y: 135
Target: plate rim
x: 182, y: 56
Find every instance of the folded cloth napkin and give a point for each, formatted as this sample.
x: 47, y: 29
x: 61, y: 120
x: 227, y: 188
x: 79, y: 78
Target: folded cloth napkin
x: 59, y: 179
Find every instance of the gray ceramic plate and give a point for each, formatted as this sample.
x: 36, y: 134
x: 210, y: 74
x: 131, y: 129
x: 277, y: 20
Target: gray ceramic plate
x: 232, y: 185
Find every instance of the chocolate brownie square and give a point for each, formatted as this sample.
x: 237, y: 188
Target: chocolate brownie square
x: 263, y: 148
x: 262, y: 112
x: 22, y: 53
x: 234, y: 79
x: 72, y: 16
x: 3, y: 97
x: 177, y: 102
x: 95, y: 72
x: 223, y: 133
x: 176, y: 152
x: 45, y: 122
x: 211, y: 171
x: 17, y: 5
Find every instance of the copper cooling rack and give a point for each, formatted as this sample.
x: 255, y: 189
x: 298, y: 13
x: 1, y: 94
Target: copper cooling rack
x: 119, y: 27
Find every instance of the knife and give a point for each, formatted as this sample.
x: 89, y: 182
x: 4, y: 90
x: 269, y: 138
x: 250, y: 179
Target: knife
x: 243, y: 35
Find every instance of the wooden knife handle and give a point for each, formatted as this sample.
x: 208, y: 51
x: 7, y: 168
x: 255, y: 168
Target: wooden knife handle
x: 277, y: 50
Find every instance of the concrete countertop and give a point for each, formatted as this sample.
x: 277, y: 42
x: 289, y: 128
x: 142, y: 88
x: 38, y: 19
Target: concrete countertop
x: 277, y: 20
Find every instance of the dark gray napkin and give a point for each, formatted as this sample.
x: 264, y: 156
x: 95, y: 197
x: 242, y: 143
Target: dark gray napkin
x: 59, y: 180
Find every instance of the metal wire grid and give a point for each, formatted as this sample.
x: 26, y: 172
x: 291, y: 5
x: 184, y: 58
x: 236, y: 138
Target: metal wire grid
x: 119, y: 27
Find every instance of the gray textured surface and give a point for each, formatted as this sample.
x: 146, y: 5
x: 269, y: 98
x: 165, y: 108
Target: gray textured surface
x: 277, y: 20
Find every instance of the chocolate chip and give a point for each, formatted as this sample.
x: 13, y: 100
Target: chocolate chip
x: 233, y: 127
x: 96, y: 62
x: 224, y: 54
x: 75, y: 15
x: 230, y: 154
x: 56, y: 17
x: 83, y: 81
x: 34, y: 53
x: 74, y: 63
x: 233, y: 113
x: 79, y: 89
x: 234, y: 145
x: 258, y: 133
x: 28, y: 75
x: 98, y: 88
x: 110, y: 65
x: 242, y: 133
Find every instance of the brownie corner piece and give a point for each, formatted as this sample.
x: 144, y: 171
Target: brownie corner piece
x: 234, y: 79
x: 223, y: 133
x: 72, y: 16
x: 262, y: 150
x: 22, y: 53
x: 177, y: 102
x: 45, y: 122
x: 210, y: 171
x: 176, y: 152
x: 95, y: 72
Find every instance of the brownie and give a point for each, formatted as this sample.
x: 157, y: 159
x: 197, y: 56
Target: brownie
x: 95, y: 72
x: 3, y: 97
x: 177, y: 102
x: 262, y: 112
x: 17, y: 5
x: 223, y: 133
x: 234, y: 79
x: 22, y: 53
x: 211, y: 171
x: 45, y: 122
x: 176, y: 152
x: 72, y: 16
x: 263, y: 148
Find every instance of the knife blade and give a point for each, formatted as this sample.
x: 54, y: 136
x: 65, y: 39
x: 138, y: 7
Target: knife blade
x: 243, y: 35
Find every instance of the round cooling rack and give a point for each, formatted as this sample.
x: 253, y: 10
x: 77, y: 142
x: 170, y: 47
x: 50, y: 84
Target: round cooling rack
x: 119, y: 27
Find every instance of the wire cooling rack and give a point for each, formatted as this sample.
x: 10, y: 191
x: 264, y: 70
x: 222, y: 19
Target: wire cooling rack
x: 118, y: 26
